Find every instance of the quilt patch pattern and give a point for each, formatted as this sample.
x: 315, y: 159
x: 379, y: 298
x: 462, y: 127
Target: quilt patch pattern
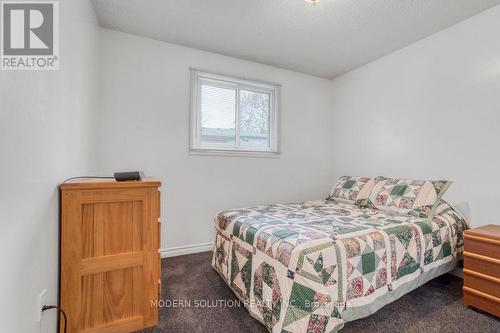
x: 267, y: 294
x: 299, y: 267
x: 407, y: 196
x: 241, y: 270
x: 366, y: 264
x: 352, y: 189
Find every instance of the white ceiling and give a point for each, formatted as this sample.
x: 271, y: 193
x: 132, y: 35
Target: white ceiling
x: 325, y: 40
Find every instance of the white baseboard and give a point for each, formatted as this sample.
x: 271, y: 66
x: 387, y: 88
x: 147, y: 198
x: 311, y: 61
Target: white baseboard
x: 188, y: 249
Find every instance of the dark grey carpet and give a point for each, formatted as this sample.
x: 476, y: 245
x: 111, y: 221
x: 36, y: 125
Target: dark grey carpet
x: 435, y: 307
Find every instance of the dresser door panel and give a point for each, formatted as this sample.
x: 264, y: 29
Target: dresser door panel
x: 108, y: 240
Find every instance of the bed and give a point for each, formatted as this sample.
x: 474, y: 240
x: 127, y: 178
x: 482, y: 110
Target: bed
x: 311, y: 267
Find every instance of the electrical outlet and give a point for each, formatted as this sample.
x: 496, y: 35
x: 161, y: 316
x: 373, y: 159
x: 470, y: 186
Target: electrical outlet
x: 40, y: 303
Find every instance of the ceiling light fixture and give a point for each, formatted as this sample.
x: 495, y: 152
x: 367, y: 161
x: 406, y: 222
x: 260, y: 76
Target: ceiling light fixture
x: 314, y: 2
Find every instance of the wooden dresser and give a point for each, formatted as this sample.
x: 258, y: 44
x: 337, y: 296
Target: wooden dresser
x: 482, y: 268
x: 110, y: 264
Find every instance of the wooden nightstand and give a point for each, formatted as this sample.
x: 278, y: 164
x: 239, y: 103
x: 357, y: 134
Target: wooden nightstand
x: 482, y: 268
x: 110, y: 265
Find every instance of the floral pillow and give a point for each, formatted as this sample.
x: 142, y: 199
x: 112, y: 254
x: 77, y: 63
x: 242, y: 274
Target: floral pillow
x: 355, y: 190
x: 408, y: 196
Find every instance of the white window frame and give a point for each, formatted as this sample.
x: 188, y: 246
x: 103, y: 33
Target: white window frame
x: 225, y: 81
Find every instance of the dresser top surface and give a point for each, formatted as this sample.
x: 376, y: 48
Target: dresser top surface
x: 97, y: 183
x: 486, y: 231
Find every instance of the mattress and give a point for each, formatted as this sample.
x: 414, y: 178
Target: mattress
x: 311, y: 267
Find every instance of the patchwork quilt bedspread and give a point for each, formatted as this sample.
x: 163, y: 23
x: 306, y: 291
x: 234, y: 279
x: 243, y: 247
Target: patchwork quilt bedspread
x: 310, y: 267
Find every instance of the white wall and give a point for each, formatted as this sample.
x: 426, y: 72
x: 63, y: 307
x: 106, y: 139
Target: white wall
x: 44, y: 125
x: 144, y: 125
x: 430, y: 110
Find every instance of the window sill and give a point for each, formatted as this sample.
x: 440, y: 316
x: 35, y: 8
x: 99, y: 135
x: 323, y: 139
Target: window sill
x: 233, y: 153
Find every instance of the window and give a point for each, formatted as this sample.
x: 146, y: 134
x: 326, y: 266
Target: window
x: 231, y: 116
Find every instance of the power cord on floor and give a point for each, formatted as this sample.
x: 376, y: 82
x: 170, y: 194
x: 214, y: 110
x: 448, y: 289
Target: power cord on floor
x: 48, y: 307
